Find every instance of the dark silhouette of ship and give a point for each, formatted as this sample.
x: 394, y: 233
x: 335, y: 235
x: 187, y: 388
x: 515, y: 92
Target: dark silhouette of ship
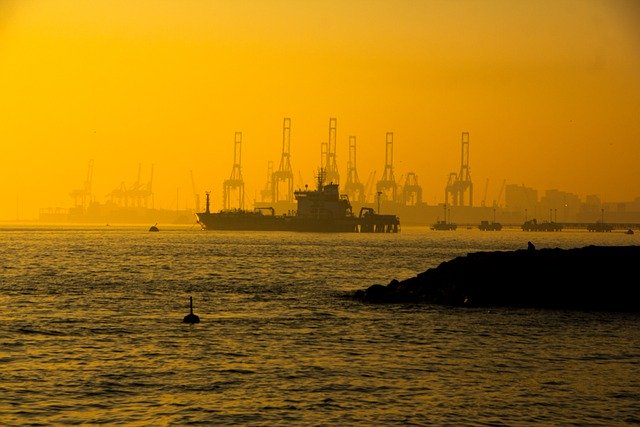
x: 490, y: 226
x: 534, y: 225
x: 444, y: 225
x: 601, y: 227
x: 321, y: 210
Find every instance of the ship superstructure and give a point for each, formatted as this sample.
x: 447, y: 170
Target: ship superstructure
x: 321, y: 210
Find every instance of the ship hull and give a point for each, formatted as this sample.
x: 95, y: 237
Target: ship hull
x: 243, y: 221
x: 251, y: 221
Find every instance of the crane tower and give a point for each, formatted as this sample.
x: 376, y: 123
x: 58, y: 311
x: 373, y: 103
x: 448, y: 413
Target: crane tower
x: 235, y: 184
x: 82, y: 196
x: 284, y: 174
x: 139, y: 193
x: 329, y: 163
x: 411, y: 191
x: 387, y: 187
x: 354, y: 188
x: 460, y: 184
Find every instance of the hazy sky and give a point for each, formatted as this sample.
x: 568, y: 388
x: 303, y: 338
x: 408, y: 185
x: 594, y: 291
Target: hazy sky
x: 549, y: 92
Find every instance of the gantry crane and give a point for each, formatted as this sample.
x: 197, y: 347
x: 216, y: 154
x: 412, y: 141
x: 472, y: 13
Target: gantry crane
x: 353, y: 188
x: 460, y: 184
x: 139, y: 193
x: 387, y: 187
x: 411, y: 191
x: 235, y: 182
x: 82, y: 196
x: 118, y: 195
x: 329, y: 164
x: 284, y: 174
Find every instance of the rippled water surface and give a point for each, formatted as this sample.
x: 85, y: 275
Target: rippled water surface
x: 91, y: 332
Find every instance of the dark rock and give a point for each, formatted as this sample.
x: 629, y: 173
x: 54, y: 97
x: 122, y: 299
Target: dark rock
x: 589, y: 278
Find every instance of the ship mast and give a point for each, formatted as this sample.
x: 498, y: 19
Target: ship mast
x: 322, y: 174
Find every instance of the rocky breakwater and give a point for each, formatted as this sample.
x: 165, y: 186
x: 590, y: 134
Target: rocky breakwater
x: 588, y: 278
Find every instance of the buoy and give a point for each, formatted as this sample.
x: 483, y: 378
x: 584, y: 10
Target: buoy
x: 191, y: 318
x: 154, y: 227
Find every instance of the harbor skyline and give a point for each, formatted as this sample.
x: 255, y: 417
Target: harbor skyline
x: 547, y: 91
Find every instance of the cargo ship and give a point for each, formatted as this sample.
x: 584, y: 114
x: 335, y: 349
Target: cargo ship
x: 321, y: 210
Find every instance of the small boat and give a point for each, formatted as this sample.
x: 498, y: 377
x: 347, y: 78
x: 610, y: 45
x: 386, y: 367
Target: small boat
x: 600, y: 227
x: 154, y: 227
x: 629, y: 231
x: 490, y: 226
x: 444, y: 225
x: 534, y: 225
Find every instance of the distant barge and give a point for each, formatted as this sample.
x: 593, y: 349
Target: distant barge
x: 490, y: 226
x: 321, y: 210
x: 444, y: 225
x: 534, y: 225
x: 600, y: 227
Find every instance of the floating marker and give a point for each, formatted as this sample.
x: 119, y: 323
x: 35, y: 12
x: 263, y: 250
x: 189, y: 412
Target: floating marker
x: 191, y: 318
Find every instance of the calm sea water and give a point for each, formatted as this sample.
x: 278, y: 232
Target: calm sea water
x: 91, y: 333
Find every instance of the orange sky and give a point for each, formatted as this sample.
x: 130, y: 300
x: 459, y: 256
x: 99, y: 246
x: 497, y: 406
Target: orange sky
x: 549, y: 92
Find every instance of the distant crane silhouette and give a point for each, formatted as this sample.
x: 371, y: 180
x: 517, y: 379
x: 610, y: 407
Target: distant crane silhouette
x: 235, y: 182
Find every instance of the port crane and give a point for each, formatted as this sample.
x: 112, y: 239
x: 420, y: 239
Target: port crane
x: 329, y: 154
x: 387, y: 187
x: 266, y: 194
x: 411, y: 191
x: 353, y: 188
x: 235, y: 183
x: 82, y: 196
x: 139, y: 193
x: 460, y: 184
x: 284, y: 174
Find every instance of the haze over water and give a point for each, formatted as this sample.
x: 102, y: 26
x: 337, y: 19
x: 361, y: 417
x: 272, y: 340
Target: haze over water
x: 92, y: 333
x: 548, y: 91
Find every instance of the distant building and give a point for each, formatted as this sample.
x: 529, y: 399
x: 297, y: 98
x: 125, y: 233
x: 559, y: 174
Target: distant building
x: 559, y: 206
x: 619, y: 212
x: 519, y: 198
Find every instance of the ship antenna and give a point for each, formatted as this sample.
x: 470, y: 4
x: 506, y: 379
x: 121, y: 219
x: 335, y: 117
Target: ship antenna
x: 208, y: 194
x: 321, y: 175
